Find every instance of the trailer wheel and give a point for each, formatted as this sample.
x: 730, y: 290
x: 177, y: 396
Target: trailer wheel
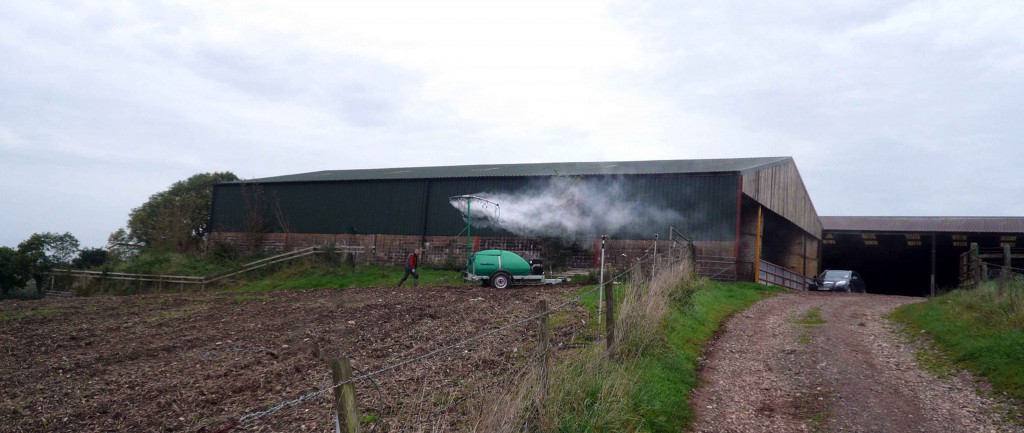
x: 501, y: 280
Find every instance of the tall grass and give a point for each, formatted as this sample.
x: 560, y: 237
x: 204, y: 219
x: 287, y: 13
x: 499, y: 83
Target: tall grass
x: 642, y: 314
x: 644, y: 385
x: 981, y: 329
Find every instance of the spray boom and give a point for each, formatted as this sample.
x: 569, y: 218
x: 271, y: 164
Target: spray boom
x: 465, y: 204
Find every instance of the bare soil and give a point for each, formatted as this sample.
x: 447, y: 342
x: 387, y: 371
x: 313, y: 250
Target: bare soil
x: 774, y: 369
x: 195, y: 362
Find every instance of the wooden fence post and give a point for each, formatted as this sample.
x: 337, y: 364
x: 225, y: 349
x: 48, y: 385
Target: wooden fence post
x: 654, y: 263
x: 975, y: 265
x: 600, y: 292
x: 609, y: 315
x: 344, y: 395
x: 542, y: 345
x: 1005, y: 275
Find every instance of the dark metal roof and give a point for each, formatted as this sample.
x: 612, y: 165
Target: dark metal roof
x: 689, y: 166
x: 924, y: 224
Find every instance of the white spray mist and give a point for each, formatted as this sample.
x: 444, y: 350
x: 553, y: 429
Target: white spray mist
x: 570, y: 208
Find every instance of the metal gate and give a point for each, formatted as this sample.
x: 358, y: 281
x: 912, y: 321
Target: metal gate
x: 771, y: 274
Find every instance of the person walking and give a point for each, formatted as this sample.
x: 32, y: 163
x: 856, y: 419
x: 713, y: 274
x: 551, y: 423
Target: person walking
x: 410, y: 268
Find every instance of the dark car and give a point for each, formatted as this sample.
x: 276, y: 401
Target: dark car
x: 839, y: 281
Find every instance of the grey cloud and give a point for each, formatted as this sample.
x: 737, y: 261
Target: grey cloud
x: 885, y: 111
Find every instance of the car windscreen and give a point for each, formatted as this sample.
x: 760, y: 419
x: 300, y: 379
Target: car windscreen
x: 837, y: 275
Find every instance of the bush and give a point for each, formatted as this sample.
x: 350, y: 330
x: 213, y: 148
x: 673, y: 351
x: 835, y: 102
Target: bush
x: 224, y: 252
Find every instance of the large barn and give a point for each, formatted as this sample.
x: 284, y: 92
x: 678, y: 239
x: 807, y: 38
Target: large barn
x: 745, y: 216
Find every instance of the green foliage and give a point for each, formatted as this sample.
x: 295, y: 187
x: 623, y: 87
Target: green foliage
x: 170, y: 263
x: 13, y: 274
x: 91, y: 258
x: 175, y: 219
x: 42, y: 251
x: 224, y: 253
x: 50, y: 248
x: 121, y: 247
x: 981, y: 330
x: 589, y: 278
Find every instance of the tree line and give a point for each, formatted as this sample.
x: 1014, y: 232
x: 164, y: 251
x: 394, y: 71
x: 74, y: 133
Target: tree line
x: 173, y: 220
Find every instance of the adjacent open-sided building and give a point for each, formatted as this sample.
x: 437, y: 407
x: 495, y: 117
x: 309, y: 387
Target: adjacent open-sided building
x: 914, y: 255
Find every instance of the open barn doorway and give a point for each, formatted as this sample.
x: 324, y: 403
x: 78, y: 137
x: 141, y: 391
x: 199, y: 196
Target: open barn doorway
x: 896, y: 254
x: 890, y: 264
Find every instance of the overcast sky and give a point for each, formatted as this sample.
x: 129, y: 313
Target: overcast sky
x: 888, y: 107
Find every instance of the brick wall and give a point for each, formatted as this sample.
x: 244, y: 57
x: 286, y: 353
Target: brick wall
x: 450, y: 251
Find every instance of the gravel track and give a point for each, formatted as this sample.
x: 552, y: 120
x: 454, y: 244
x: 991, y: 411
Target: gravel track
x: 772, y: 370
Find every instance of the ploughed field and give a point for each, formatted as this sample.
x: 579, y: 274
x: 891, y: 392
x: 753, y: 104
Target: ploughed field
x: 195, y: 362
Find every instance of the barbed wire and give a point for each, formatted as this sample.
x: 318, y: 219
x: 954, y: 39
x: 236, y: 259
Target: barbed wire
x: 380, y: 395
x: 501, y: 379
x: 248, y: 418
x: 312, y: 395
x: 994, y: 266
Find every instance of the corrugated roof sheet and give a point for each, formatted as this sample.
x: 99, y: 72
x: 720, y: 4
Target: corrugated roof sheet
x: 687, y: 166
x: 924, y: 224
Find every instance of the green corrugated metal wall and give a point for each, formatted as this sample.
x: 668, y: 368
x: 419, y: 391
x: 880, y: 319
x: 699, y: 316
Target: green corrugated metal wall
x: 706, y: 203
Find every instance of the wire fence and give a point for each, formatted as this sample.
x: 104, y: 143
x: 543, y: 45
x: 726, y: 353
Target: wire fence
x: 978, y: 265
x: 995, y: 271
x: 429, y: 399
x: 71, y: 280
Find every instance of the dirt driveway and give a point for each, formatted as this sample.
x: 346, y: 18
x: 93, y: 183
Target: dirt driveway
x: 829, y: 362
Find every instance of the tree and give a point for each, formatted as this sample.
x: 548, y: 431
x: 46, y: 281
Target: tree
x: 120, y: 246
x: 178, y: 218
x: 91, y: 258
x: 42, y: 251
x: 12, y: 274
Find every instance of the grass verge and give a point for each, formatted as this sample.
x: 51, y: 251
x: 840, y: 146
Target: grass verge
x: 645, y: 385
x: 979, y: 330
x: 24, y: 314
x: 315, y: 276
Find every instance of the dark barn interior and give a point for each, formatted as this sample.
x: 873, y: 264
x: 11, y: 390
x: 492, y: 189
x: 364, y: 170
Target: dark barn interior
x: 892, y: 264
x: 895, y: 254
